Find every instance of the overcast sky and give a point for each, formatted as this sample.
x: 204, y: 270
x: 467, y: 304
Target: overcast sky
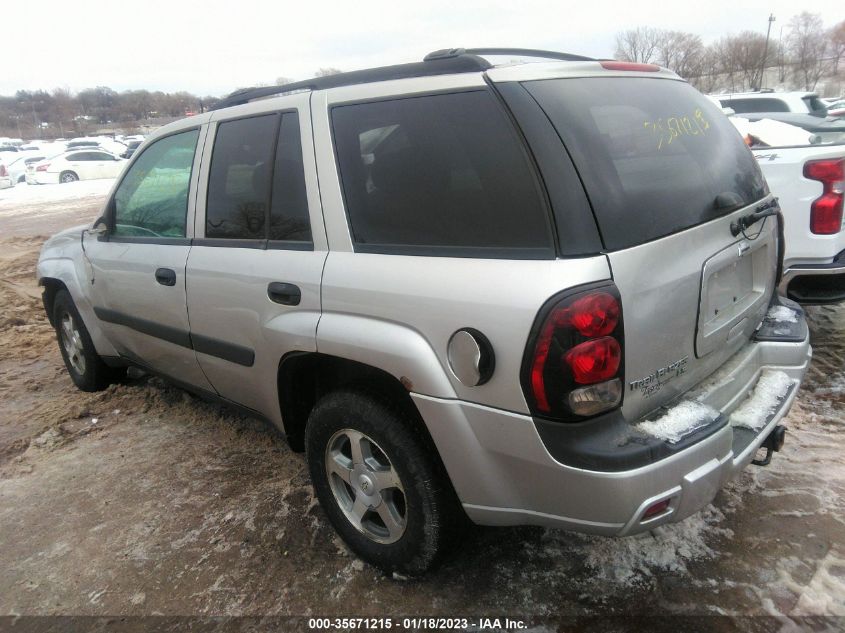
x: 210, y: 48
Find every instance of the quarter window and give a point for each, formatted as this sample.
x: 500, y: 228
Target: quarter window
x: 439, y: 175
x: 152, y: 199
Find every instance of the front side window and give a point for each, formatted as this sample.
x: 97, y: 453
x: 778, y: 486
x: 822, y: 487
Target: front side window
x: 152, y: 199
x: 439, y: 175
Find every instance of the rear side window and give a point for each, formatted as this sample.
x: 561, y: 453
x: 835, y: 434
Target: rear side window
x: 256, y: 184
x: 742, y: 106
x: 239, y: 180
x: 439, y: 175
x: 654, y: 154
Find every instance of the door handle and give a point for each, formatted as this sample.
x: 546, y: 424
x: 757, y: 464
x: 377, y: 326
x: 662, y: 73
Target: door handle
x: 166, y: 277
x: 284, y: 293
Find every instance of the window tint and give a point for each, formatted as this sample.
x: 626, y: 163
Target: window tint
x: 100, y: 156
x: 152, y: 199
x: 289, y: 209
x: 438, y: 175
x: 239, y: 179
x: 653, y: 154
x: 757, y: 105
x: 79, y: 156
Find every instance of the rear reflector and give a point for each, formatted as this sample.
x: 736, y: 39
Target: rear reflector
x: 655, y: 509
x: 826, y: 210
x: 633, y: 66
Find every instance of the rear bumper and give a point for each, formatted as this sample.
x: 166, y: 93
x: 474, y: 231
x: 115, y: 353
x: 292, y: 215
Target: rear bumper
x: 813, y: 283
x: 504, y: 474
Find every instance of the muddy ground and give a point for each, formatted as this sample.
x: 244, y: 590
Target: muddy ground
x: 145, y: 500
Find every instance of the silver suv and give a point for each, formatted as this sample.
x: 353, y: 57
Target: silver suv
x: 536, y: 293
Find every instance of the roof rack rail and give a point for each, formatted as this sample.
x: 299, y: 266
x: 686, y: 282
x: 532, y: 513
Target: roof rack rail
x: 448, y: 53
x: 463, y: 63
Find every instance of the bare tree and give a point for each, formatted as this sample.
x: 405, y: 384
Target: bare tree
x: 706, y: 77
x: 325, y: 72
x: 837, y: 44
x: 807, y: 46
x: 681, y: 52
x: 638, y: 45
x: 281, y: 81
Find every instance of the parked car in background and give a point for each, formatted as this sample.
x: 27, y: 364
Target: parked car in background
x: 827, y: 130
x: 5, y: 178
x: 837, y: 108
x: 805, y: 169
x: 131, y: 146
x: 505, y: 298
x: 770, y: 101
x: 17, y: 168
x: 105, y: 142
x: 83, y: 164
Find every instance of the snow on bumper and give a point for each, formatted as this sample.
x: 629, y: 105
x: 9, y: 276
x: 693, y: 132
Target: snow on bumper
x: 504, y: 474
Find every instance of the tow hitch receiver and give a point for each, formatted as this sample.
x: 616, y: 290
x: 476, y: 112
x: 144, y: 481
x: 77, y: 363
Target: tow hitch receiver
x: 772, y: 444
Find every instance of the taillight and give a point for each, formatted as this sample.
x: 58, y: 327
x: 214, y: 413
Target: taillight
x: 3, y: 171
x: 826, y: 210
x: 574, y: 363
x: 635, y: 66
x: 42, y: 167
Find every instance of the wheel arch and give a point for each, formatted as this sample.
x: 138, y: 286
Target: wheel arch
x: 304, y: 377
x: 55, y: 274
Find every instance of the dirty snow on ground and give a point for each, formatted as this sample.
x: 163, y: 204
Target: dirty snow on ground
x: 765, y: 399
x: 782, y: 314
x: 679, y: 421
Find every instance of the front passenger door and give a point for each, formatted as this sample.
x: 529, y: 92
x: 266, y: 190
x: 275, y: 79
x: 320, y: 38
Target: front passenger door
x: 138, y: 268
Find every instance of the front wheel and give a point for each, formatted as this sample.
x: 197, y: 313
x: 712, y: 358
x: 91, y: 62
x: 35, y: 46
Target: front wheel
x: 86, y: 368
x: 380, y: 482
x: 68, y: 176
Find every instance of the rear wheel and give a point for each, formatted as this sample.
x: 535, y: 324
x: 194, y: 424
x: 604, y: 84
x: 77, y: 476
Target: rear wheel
x: 380, y: 482
x: 86, y: 368
x: 68, y: 176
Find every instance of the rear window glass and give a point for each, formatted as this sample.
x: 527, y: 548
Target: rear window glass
x: 653, y: 154
x: 439, y: 175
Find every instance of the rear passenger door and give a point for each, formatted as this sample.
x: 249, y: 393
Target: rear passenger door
x: 253, y: 276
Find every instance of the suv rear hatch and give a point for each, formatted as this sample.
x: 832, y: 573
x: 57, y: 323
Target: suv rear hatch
x: 666, y: 174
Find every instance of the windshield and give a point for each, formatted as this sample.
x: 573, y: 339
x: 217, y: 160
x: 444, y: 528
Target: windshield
x: 654, y: 154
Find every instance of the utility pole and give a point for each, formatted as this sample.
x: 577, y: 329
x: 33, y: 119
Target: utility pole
x: 765, y: 51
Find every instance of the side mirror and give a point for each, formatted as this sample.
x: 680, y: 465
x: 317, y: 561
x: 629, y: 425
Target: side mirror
x: 101, y: 226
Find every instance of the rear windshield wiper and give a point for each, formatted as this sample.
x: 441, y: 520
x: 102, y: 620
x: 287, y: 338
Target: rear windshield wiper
x: 763, y: 211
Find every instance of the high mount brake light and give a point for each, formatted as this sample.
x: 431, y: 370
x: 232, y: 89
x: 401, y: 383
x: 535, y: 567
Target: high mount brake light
x: 574, y: 361
x: 826, y: 210
x: 633, y: 66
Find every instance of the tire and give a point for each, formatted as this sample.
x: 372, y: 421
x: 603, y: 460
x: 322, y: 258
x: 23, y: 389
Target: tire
x: 398, y: 463
x: 67, y: 176
x: 86, y: 368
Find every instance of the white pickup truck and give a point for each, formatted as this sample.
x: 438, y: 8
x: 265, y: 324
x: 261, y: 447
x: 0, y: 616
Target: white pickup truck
x: 808, y: 179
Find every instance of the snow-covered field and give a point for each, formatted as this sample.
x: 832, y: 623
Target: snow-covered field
x: 142, y: 499
x: 45, y: 209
